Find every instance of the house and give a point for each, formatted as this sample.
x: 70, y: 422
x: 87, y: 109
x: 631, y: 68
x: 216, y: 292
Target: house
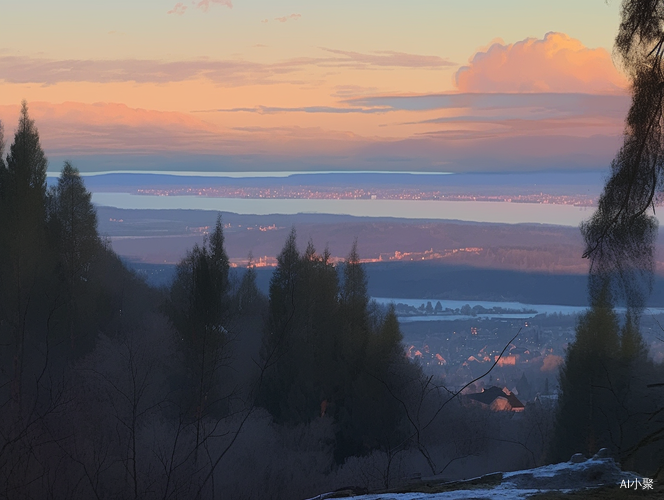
x: 496, y: 399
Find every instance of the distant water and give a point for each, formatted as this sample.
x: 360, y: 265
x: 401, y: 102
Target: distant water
x: 475, y: 211
x: 516, y: 306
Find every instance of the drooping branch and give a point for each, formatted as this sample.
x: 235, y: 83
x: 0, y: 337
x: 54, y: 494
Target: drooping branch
x: 620, y: 235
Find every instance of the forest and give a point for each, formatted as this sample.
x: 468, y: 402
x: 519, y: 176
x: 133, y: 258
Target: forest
x: 209, y: 389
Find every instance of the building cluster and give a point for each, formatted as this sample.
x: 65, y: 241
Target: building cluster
x: 352, y: 193
x: 459, y: 356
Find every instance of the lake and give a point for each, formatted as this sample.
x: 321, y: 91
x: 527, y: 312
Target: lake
x: 471, y: 211
x: 518, y: 306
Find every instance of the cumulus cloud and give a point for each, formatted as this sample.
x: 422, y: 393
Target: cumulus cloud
x: 293, y: 17
x: 556, y: 63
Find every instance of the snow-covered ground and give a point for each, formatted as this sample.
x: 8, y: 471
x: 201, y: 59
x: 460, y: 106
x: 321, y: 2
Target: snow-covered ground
x: 563, y: 477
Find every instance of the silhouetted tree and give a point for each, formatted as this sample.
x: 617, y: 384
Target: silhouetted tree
x: 326, y: 356
x: 199, y: 309
x: 73, y: 226
x: 585, y: 410
x: 22, y: 240
x: 247, y: 293
x: 620, y: 235
x: 2, y: 148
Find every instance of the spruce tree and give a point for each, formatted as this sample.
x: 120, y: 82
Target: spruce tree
x: 301, y: 344
x: 23, y: 251
x: 73, y: 226
x: 2, y: 151
x: 199, y: 308
x: 585, y: 420
x: 247, y: 294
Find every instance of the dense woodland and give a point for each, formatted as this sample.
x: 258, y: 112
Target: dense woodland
x: 209, y: 389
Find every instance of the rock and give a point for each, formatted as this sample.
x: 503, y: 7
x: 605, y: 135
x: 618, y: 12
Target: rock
x: 603, y: 453
x: 577, y: 458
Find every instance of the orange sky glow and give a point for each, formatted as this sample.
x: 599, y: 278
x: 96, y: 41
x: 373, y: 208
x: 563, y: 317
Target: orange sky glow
x: 302, y: 98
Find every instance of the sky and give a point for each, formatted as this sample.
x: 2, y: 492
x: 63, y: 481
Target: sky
x: 257, y: 85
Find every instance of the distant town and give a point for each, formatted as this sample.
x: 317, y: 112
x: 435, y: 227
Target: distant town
x: 335, y: 193
x: 461, y: 350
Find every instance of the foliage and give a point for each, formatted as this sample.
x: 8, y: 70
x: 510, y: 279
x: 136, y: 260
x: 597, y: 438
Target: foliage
x: 604, y: 400
x: 620, y: 235
x: 324, y: 358
x: 199, y: 309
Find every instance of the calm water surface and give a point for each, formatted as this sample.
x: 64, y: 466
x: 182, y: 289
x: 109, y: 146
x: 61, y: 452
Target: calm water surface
x: 475, y: 211
x: 517, y: 306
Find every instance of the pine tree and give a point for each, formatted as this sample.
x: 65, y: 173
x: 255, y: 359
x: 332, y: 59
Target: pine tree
x: 632, y: 347
x: 301, y: 342
x: 2, y: 152
x: 354, y: 295
x: 22, y: 239
x: 585, y: 419
x: 247, y: 294
x: 323, y: 356
x: 199, y: 310
x: 354, y: 312
x: 73, y: 226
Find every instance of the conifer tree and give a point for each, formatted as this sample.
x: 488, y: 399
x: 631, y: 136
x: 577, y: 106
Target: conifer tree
x: 199, y: 309
x: 2, y: 150
x: 354, y: 295
x: 22, y: 244
x: 77, y: 221
x: 247, y: 293
x: 73, y: 225
x: 586, y: 416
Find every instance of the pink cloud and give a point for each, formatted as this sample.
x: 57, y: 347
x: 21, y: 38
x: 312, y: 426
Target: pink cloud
x: 104, y: 127
x: 294, y: 17
x: 556, y: 63
x: 389, y: 58
x: 179, y: 9
x: 115, y: 134
x: 234, y: 72
x: 205, y: 4
x: 15, y: 69
x: 74, y: 128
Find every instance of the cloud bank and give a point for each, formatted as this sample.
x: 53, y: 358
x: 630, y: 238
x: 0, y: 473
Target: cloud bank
x: 230, y: 73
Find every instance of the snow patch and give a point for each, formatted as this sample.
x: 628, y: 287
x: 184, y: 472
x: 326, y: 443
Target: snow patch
x: 564, y: 477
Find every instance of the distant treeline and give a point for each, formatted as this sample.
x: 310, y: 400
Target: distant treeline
x: 432, y: 281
